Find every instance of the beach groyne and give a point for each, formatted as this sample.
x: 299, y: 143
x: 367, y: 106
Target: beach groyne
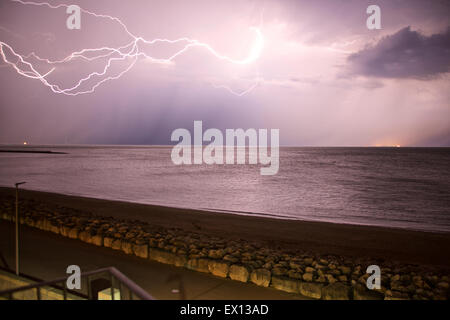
x: 301, y: 272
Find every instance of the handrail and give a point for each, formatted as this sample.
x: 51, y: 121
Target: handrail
x: 131, y: 285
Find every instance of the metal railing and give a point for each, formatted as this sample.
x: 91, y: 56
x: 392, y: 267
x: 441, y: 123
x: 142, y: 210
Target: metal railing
x: 117, y: 280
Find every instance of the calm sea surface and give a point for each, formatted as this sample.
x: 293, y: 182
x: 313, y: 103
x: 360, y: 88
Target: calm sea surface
x: 397, y: 187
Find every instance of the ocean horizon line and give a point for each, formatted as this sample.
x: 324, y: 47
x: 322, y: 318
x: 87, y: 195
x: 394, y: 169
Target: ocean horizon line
x: 57, y: 145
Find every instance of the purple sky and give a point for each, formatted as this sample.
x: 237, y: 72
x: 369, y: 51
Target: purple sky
x: 321, y: 76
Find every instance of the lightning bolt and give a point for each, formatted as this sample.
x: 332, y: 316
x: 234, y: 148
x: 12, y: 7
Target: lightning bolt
x: 130, y: 51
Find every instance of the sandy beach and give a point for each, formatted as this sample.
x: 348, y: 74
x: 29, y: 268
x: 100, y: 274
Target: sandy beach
x: 351, y: 241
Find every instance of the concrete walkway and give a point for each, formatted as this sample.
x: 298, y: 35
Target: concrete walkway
x: 46, y: 256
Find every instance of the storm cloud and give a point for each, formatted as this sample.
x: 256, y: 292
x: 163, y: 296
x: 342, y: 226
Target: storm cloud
x: 404, y: 54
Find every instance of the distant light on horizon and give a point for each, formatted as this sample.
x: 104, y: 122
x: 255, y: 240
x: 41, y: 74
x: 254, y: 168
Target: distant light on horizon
x: 388, y: 145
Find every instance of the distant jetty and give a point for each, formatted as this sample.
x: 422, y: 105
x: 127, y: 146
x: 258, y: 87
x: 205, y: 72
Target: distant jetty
x: 33, y: 151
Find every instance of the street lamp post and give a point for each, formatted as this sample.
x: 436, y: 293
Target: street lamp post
x: 17, y: 226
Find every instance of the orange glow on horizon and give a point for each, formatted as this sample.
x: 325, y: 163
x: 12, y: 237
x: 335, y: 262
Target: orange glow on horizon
x: 387, y: 145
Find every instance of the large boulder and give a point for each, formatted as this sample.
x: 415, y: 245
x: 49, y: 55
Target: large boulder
x: 141, y: 250
x: 345, y: 270
x: 218, y: 268
x: 73, y: 233
x: 239, y: 273
x: 336, y: 291
x: 230, y: 258
x: 64, y: 230
x: 309, y: 270
x: 39, y: 223
x: 200, y: 264
x: 97, y: 240
x: 127, y: 247
x: 279, y: 271
x: 285, y: 284
x: 54, y: 228
x: 308, y: 276
x: 310, y: 289
x: 216, y: 254
x: 107, y: 242
x: 162, y: 256
x: 84, y: 236
x: 45, y: 225
x: 180, y: 260
x: 261, y: 277
x: 294, y: 274
x: 167, y: 257
x: 116, y: 244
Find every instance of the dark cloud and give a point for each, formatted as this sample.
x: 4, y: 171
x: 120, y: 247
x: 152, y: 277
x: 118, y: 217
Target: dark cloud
x: 405, y: 54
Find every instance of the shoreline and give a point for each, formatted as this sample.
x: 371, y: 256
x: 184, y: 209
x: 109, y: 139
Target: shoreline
x: 231, y: 212
x: 262, y: 215
x: 389, y: 243
x: 257, y: 215
x: 317, y: 260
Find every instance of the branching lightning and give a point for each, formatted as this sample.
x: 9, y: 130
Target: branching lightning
x: 129, y: 51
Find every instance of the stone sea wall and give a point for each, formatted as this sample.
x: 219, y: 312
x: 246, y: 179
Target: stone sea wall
x: 300, y: 272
